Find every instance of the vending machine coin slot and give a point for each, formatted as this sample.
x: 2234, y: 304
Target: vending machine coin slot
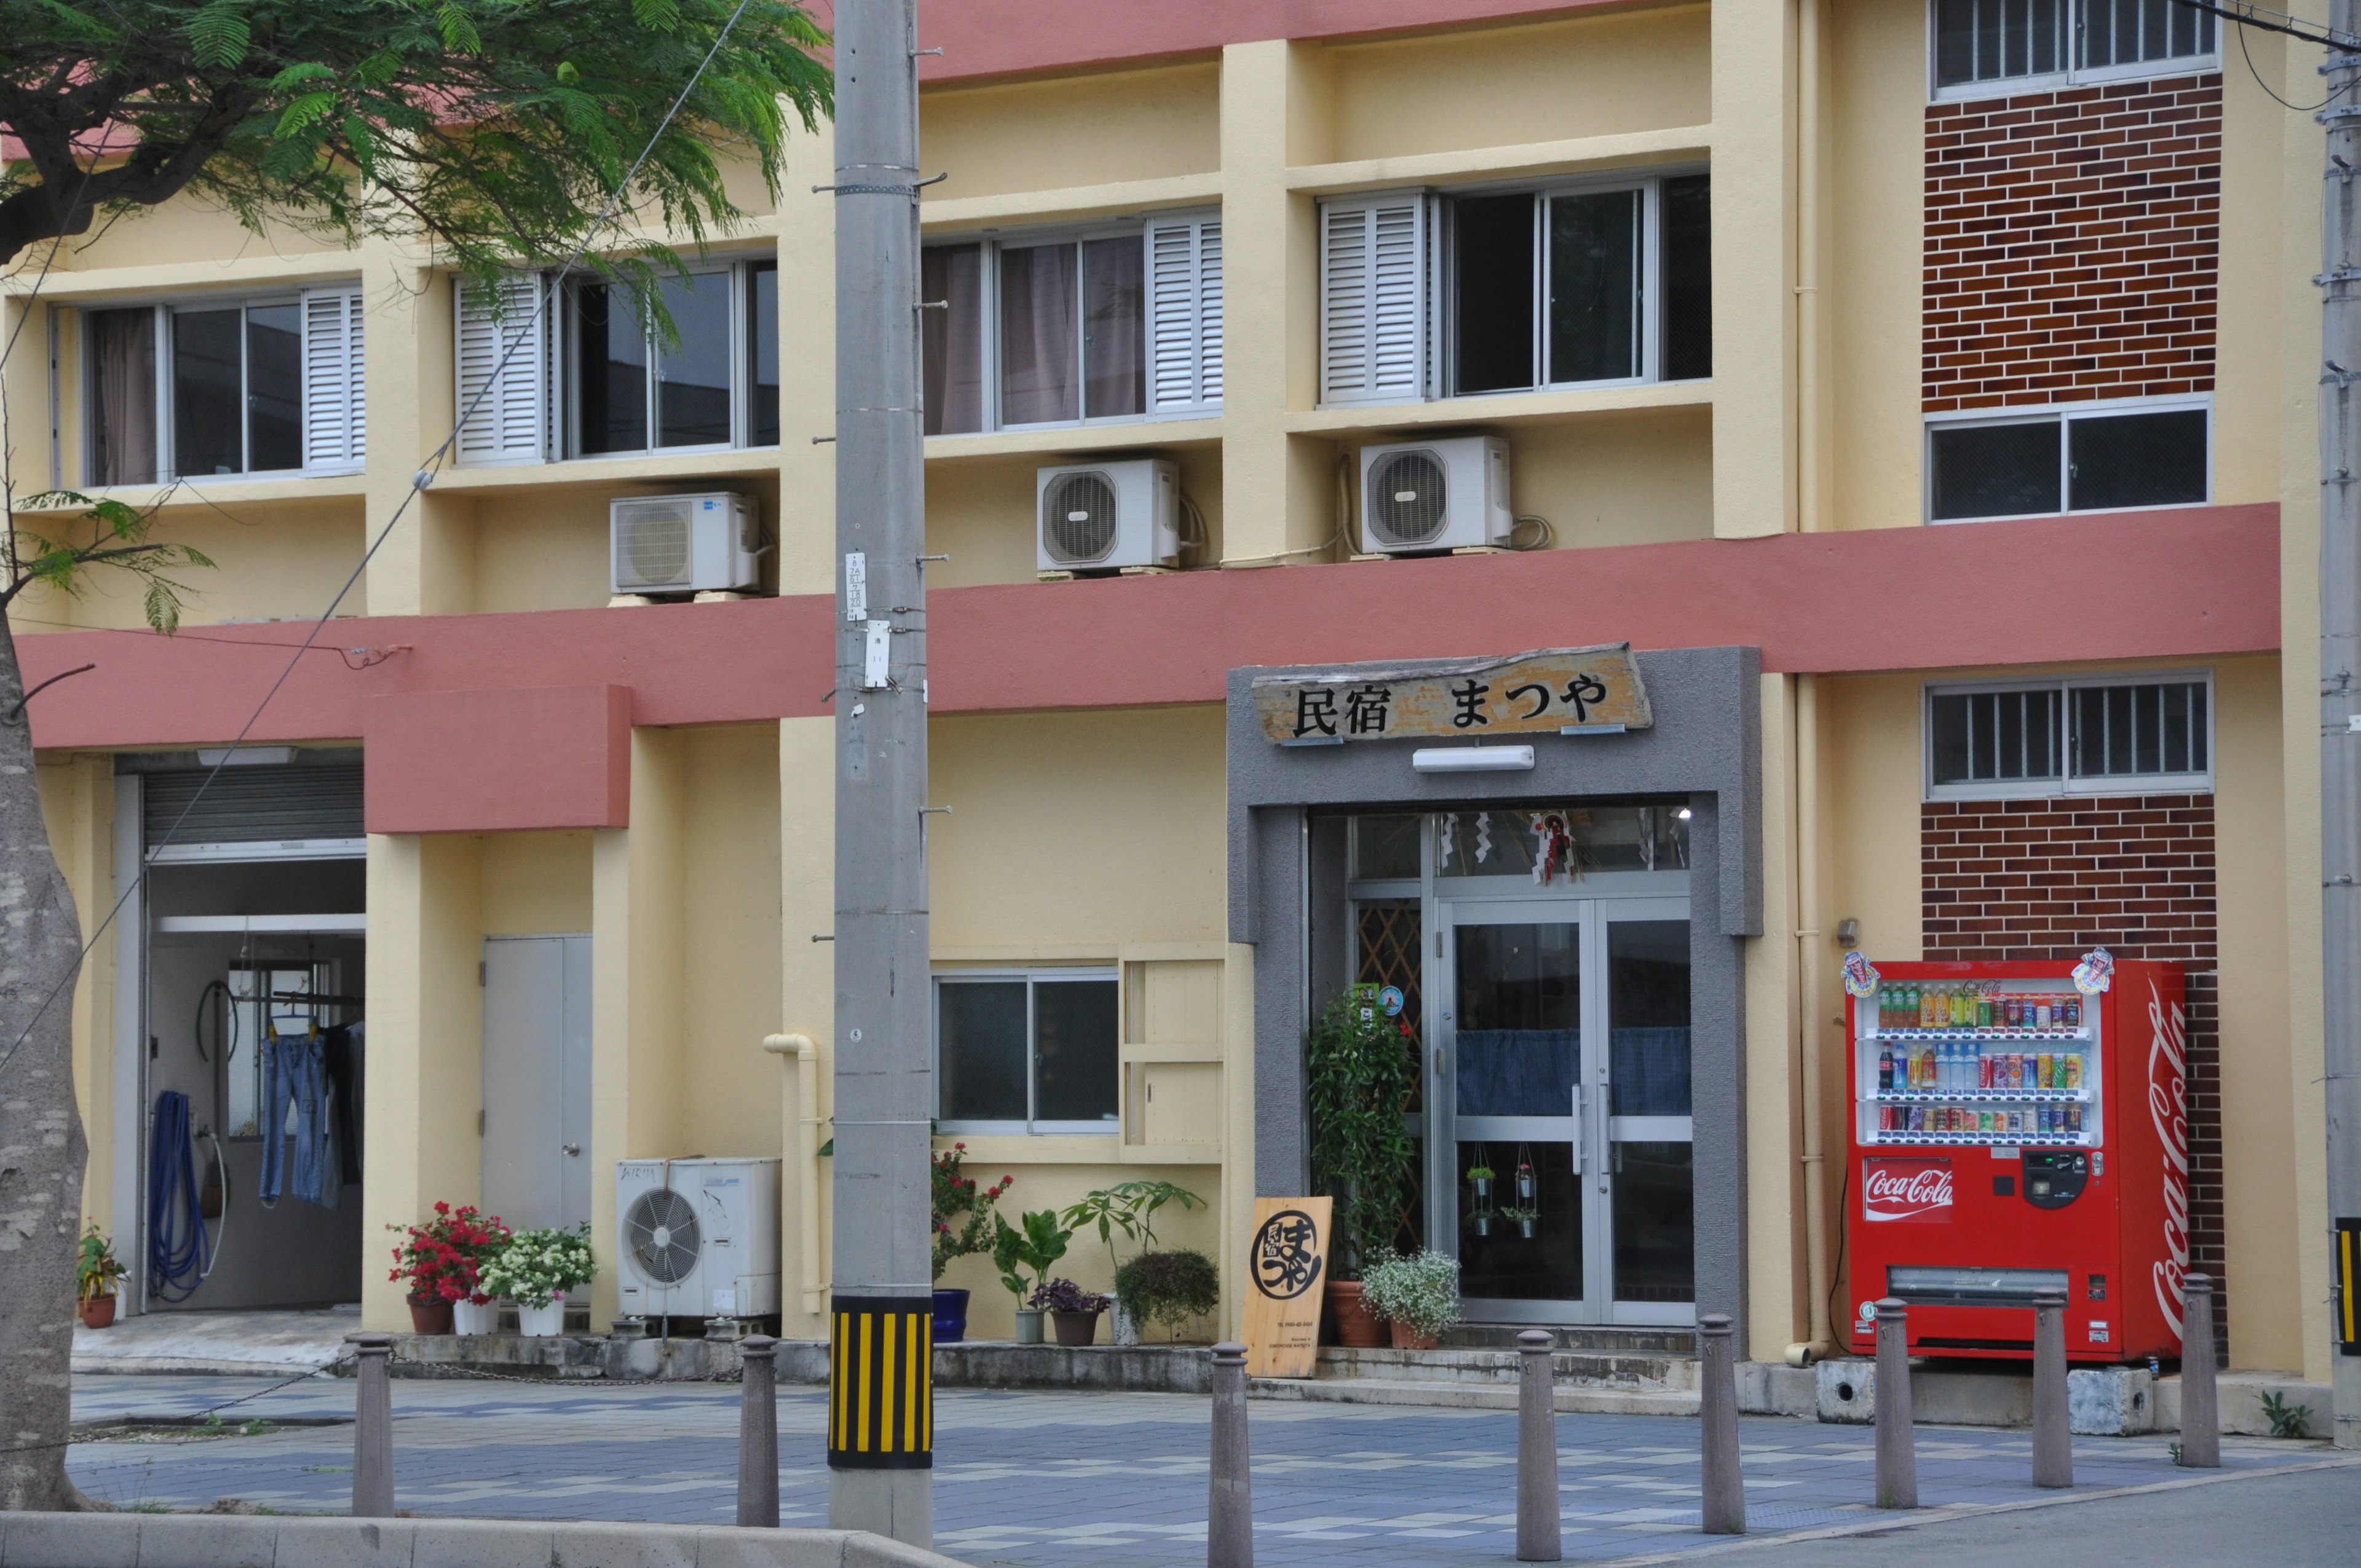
x: 2004, y: 1186
x: 2055, y: 1178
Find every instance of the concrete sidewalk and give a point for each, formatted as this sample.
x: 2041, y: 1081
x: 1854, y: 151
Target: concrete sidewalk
x: 249, y: 1344
x: 1068, y: 1480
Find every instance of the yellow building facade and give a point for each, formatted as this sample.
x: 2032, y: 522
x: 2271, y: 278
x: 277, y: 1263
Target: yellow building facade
x: 1698, y: 272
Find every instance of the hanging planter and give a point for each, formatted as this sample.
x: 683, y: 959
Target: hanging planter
x: 1527, y: 1185
x: 1527, y: 1221
x: 1480, y: 1223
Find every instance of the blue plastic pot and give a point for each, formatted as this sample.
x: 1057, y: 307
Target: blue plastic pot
x: 951, y: 1316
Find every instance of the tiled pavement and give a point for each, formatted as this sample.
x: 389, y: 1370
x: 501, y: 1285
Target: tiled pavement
x: 1062, y: 1480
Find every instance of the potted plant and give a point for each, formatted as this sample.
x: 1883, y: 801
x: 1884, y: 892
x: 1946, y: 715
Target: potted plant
x: 1175, y: 1288
x: 1361, y: 1069
x: 1524, y: 1218
x: 536, y: 1269
x: 1129, y: 1207
x: 96, y: 1275
x: 1073, y: 1311
x: 1417, y: 1296
x: 1036, y: 1242
x: 433, y: 1271
x: 477, y: 1237
x: 1480, y: 1178
x: 963, y: 1215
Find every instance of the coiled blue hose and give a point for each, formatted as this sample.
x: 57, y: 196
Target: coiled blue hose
x: 177, y: 1263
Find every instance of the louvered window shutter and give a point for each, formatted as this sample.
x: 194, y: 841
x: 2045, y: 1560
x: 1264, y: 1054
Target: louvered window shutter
x: 1184, y: 315
x: 504, y: 401
x: 1376, y: 273
x: 334, y: 421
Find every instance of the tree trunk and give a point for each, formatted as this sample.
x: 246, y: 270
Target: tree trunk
x: 41, y: 1143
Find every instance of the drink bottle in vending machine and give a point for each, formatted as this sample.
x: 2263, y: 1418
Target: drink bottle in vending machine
x: 2012, y: 1132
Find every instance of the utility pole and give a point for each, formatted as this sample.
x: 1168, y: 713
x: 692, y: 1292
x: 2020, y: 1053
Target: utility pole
x: 2340, y: 659
x: 880, y: 1402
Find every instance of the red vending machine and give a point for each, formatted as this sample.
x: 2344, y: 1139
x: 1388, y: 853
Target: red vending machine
x: 2011, y: 1132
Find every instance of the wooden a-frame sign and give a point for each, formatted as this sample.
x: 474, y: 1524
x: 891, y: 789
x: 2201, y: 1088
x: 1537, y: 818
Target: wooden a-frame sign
x: 1286, y: 1279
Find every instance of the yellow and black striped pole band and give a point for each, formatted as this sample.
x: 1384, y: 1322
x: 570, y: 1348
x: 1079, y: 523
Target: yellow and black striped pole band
x: 2348, y: 1287
x: 880, y: 1386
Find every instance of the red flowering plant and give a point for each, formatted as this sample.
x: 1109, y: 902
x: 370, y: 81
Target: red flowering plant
x: 440, y: 1259
x: 962, y: 1210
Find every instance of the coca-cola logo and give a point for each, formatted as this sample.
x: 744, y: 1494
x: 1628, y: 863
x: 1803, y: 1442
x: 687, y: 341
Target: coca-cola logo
x: 1905, y: 1189
x: 2167, y: 1107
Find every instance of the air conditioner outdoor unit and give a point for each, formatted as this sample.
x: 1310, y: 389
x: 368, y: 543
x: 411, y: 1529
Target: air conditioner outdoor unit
x: 699, y: 1238
x: 1426, y: 496
x: 1101, y: 516
x: 682, y: 544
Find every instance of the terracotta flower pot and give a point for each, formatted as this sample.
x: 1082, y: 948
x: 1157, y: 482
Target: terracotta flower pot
x: 1356, y: 1325
x: 1405, y: 1340
x: 430, y: 1315
x: 1075, y: 1328
x: 98, y: 1312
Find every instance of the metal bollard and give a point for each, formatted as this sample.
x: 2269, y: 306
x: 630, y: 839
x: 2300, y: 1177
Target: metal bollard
x: 372, y: 1427
x: 2053, y: 1431
x: 1897, y: 1451
x: 1229, y: 1522
x: 1537, y: 1506
x: 2200, y: 1409
x: 1725, y: 1486
x: 758, y: 1434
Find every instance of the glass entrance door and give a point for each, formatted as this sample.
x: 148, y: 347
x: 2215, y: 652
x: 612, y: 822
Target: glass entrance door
x: 1564, y: 1069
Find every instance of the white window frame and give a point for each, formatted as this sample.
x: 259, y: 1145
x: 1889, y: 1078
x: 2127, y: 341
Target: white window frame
x: 2066, y: 782
x: 568, y: 360
x: 2074, y: 75
x: 1046, y: 974
x: 991, y: 242
x: 1440, y: 323
x: 2065, y: 414
x: 161, y: 313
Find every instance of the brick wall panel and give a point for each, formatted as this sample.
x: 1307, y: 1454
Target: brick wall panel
x: 2024, y: 880
x: 2089, y: 220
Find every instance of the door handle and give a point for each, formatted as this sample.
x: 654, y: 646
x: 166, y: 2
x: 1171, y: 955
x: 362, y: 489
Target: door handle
x: 1581, y: 1130
x: 571, y: 1148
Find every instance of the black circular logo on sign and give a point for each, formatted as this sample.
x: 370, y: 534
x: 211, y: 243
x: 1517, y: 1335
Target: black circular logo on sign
x: 1285, y: 1258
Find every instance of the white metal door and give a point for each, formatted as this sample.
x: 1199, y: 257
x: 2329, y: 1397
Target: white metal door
x: 537, y: 1165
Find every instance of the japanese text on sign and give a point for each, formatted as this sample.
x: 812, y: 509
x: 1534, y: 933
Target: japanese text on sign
x: 1560, y: 689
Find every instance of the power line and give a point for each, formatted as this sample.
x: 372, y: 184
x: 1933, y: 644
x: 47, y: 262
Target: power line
x: 425, y: 478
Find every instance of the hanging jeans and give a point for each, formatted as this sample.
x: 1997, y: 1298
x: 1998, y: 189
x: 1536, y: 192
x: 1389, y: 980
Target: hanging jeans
x: 296, y: 1155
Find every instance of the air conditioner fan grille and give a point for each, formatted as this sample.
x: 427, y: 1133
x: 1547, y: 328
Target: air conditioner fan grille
x: 661, y: 1230
x: 1408, y: 493
x: 653, y: 550
x: 1077, y: 520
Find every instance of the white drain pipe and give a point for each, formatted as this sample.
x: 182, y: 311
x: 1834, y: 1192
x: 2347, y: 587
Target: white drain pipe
x: 808, y: 1124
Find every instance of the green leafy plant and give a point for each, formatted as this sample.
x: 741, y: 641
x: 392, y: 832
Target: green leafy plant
x: 1175, y: 1288
x: 98, y: 1271
x: 1480, y: 1173
x: 1514, y: 1212
x: 1420, y: 1291
x: 1065, y: 1296
x: 1034, y: 1243
x: 1129, y: 1207
x: 2287, y: 1420
x: 540, y: 1266
x: 1363, y: 1067
x: 963, y: 1212
x: 97, y: 534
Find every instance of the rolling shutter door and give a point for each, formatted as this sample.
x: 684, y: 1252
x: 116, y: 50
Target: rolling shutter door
x: 253, y: 806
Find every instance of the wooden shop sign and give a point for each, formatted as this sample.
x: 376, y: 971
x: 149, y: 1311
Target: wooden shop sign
x: 1554, y: 690
x: 1287, y: 1274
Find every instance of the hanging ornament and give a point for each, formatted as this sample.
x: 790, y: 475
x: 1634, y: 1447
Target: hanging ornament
x: 1552, y: 847
x: 1483, y: 837
x: 2096, y: 972
x: 1860, y: 975
x: 1450, y: 836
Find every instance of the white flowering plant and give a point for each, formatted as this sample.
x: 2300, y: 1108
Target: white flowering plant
x: 540, y: 1266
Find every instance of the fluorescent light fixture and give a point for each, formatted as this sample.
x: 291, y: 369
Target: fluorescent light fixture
x: 247, y: 757
x: 1472, y: 758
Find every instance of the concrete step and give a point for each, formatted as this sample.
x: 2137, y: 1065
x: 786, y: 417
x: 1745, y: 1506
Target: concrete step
x: 1572, y: 1398
x: 1605, y: 1369
x: 1619, y: 1338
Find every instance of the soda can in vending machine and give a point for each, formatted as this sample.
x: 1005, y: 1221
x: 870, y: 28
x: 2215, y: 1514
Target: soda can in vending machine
x: 2047, y: 1116
x: 2074, y: 1119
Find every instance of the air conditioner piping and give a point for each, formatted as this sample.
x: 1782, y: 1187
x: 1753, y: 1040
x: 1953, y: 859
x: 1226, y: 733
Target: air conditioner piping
x: 807, y: 1175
